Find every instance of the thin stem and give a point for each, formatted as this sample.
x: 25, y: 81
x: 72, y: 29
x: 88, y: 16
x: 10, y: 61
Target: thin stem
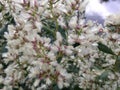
x: 54, y: 17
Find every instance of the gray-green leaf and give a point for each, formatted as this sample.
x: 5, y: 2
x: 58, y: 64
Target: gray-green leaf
x: 105, y: 49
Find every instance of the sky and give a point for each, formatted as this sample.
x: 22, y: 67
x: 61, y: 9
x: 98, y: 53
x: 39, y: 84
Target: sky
x: 99, y: 11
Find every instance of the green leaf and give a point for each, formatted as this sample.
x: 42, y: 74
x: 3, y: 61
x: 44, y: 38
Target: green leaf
x: 105, y: 49
x: 117, y: 64
x: 4, y: 49
x: 118, y: 88
x: 9, y: 18
x: 48, y: 32
x: 98, y: 63
x: 64, y: 34
x: 3, y: 29
x: 76, y: 87
x: 76, y: 44
x: 72, y: 68
x: 55, y: 87
x: 59, y: 58
x: 103, y: 76
x: 73, y: 87
x: 118, y: 58
x: 15, y: 88
x: 1, y: 86
x: 1, y: 7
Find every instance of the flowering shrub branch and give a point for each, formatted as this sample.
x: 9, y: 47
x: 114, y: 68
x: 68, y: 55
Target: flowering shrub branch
x: 50, y: 47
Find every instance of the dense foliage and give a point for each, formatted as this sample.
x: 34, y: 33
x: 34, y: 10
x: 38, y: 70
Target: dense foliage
x: 47, y: 45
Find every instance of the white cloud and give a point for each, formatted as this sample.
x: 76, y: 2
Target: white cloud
x: 96, y: 9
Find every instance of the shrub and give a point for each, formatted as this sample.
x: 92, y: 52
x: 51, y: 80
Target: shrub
x: 50, y: 47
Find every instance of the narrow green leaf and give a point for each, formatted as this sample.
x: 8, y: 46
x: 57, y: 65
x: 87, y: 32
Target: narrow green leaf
x: 1, y: 7
x: 103, y: 76
x: 76, y: 44
x: 63, y: 33
x: 105, y: 49
x: 117, y: 64
x: 59, y: 59
x: 3, y: 29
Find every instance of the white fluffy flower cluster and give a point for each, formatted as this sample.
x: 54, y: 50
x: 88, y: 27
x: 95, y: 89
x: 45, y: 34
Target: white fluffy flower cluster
x: 50, y: 47
x: 113, y: 19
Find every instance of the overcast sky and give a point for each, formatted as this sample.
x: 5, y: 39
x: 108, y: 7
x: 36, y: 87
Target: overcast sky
x: 99, y: 11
